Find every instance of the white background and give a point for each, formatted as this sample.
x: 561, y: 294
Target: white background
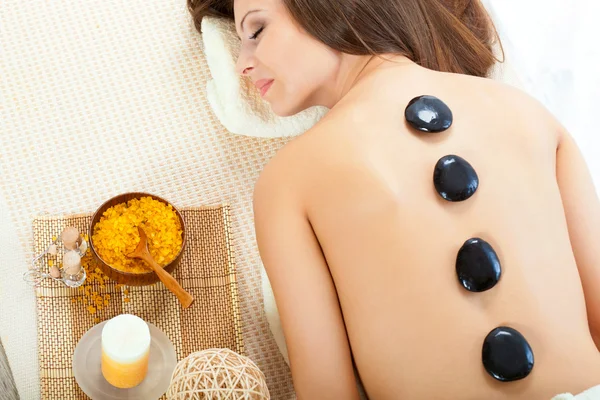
x: 554, y: 46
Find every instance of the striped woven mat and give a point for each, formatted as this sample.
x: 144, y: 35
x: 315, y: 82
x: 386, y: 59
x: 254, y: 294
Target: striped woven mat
x: 207, y: 271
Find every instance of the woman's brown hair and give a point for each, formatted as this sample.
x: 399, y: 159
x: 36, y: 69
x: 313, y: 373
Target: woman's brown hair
x: 443, y: 35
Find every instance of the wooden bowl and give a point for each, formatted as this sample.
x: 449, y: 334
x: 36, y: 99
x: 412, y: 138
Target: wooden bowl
x: 128, y: 278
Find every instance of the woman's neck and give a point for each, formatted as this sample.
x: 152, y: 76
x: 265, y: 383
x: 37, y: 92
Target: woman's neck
x: 353, y: 69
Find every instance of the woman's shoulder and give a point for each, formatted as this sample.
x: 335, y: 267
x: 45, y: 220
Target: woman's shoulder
x: 283, y: 172
x: 511, y: 95
x: 302, y: 158
x: 509, y: 102
x: 359, y: 117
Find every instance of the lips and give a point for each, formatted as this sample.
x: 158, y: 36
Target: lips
x: 263, y: 85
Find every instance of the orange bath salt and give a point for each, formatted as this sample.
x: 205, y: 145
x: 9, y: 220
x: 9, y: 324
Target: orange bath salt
x: 125, y: 351
x: 116, y: 234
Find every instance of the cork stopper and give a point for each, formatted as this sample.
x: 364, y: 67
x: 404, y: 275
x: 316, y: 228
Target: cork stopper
x: 70, y: 237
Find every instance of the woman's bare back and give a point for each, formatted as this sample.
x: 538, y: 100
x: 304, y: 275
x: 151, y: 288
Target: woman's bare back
x: 364, y: 180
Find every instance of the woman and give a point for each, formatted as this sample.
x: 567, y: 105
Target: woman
x: 461, y: 264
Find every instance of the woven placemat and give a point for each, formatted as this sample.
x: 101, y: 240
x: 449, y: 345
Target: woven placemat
x: 206, y: 270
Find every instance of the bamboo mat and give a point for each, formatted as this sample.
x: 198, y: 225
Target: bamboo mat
x: 207, y: 271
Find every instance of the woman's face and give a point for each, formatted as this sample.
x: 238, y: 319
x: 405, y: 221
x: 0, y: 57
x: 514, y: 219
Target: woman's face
x: 291, y: 69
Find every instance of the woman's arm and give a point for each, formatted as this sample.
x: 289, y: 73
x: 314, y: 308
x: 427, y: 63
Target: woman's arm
x: 582, y: 210
x: 315, y: 334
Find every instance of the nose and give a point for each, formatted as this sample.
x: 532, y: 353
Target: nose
x: 245, y: 63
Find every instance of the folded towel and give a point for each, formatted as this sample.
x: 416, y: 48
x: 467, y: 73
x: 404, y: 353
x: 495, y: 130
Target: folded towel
x: 234, y: 99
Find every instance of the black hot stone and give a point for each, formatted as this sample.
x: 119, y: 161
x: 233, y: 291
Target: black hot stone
x: 477, y: 265
x: 506, y: 354
x: 454, y: 178
x: 428, y: 114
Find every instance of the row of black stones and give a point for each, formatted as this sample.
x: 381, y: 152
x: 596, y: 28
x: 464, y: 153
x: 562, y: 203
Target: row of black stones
x: 506, y: 354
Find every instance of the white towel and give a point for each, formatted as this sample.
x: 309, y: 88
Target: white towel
x: 590, y: 394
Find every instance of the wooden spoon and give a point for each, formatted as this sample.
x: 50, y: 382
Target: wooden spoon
x: 141, y: 252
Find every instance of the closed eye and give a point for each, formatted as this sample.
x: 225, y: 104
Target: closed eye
x: 258, y: 32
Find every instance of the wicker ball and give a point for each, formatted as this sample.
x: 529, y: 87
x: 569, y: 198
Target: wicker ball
x: 217, y: 374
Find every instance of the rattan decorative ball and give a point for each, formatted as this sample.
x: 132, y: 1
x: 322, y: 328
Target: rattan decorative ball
x: 215, y: 374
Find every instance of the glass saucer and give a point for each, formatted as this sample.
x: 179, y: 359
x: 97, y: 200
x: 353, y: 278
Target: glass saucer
x: 88, y: 373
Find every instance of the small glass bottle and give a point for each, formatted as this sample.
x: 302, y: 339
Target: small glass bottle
x: 73, y: 274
